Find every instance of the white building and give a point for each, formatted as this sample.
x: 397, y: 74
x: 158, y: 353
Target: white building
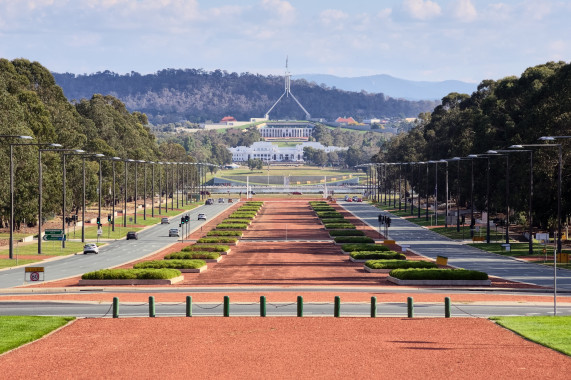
x: 266, y: 151
x: 285, y: 130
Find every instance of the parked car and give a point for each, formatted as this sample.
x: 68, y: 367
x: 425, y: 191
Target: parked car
x: 355, y: 198
x: 90, y: 248
x: 173, y: 232
x: 209, y: 201
x: 220, y: 200
x: 296, y: 193
x: 359, y: 200
x: 201, y: 216
x: 132, y: 235
x: 165, y: 221
x: 347, y: 198
x: 230, y: 200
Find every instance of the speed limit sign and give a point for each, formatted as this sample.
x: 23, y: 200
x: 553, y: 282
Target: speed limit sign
x: 34, y: 276
x: 34, y: 273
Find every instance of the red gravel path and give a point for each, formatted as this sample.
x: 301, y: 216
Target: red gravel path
x: 283, y: 348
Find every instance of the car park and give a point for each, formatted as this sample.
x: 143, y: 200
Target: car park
x: 90, y: 248
x: 173, y: 232
x: 201, y: 216
x: 209, y: 201
x: 132, y: 235
x: 165, y: 221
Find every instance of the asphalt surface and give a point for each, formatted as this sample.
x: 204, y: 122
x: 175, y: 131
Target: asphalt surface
x: 430, y: 244
x: 117, y: 252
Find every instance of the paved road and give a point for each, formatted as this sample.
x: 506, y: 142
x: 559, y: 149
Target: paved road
x: 431, y: 244
x: 362, y: 309
x: 117, y: 252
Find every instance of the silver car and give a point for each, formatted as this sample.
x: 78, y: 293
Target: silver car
x: 90, y: 248
x: 173, y: 232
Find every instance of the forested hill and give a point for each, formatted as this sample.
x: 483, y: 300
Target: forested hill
x: 196, y: 95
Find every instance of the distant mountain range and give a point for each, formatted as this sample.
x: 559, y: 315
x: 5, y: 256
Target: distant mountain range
x: 393, y: 87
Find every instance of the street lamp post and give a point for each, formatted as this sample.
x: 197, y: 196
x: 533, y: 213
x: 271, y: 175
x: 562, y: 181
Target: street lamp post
x: 97, y: 155
x: 12, y: 145
x: 114, y: 197
x: 529, y: 212
x: 125, y: 194
x: 446, y: 193
x: 497, y: 152
x: 152, y: 189
x: 458, y: 159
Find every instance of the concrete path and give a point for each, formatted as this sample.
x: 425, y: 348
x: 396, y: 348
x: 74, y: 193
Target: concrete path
x: 431, y: 244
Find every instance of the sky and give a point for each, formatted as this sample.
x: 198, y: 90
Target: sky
x: 430, y: 40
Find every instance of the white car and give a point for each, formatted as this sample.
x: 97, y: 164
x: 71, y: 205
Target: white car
x: 90, y: 248
x: 201, y: 216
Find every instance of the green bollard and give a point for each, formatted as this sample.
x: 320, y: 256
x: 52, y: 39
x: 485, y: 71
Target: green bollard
x: 337, y: 307
x: 188, y: 306
x: 262, y: 306
x: 446, y: 307
x: 151, y: 306
x: 373, y: 307
x: 299, y: 306
x: 115, y: 307
x: 410, y: 307
x: 226, y: 306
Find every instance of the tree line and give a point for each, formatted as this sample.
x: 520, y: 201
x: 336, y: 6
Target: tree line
x: 510, y: 111
x: 196, y: 95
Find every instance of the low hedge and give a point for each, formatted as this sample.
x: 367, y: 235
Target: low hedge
x: 248, y: 209
x: 339, y: 226
x: 438, y: 274
x: 250, y: 215
x: 398, y: 264
x: 353, y: 239
x: 329, y: 214
x: 174, y: 264
x: 346, y: 233
x: 364, y: 247
x: 210, y: 248
x: 224, y: 233
x: 377, y: 255
x: 196, y: 255
x: 217, y: 240
x: 333, y: 220
x: 131, y: 274
x: 237, y: 220
x: 256, y: 203
x: 232, y: 226
x: 315, y: 203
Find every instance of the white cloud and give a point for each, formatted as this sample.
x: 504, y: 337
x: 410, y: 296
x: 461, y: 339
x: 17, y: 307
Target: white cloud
x: 384, y: 13
x: 422, y: 9
x: 537, y: 10
x: 284, y: 11
x: 333, y: 17
x: 464, y: 10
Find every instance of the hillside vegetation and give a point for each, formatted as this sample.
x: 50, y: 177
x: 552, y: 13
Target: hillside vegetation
x: 171, y: 95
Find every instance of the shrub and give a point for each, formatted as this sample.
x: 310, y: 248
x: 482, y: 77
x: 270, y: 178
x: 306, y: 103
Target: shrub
x: 315, y: 203
x: 196, y: 255
x: 346, y: 233
x: 237, y: 214
x: 377, y: 255
x: 232, y: 226
x: 174, y: 264
x: 339, y: 226
x: 211, y: 248
x: 224, y: 233
x: 353, y: 239
x: 438, y: 274
x: 395, y: 264
x: 255, y: 203
x: 247, y: 209
x: 131, y: 274
x: 217, y: 240
x: 363, y: 247
x: 329, y: 214
x: 237, y: 220
x: 333, y: 220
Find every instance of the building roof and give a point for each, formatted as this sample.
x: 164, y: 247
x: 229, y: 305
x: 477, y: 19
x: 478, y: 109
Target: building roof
x: 348, y: 120
x: 228, y: 118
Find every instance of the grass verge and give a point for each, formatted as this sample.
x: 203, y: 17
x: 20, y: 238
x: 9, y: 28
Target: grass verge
x: 552, y: 332
x: 18, y: 330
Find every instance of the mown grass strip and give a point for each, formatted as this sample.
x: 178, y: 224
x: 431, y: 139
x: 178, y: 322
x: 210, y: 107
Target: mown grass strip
x: 19, y: 330
x: 549, y: 331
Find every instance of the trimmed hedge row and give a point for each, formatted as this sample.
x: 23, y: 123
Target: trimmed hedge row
x: 131, y: 274
x: 232, y: 226
x: 333, y: 220
x: 173, y: 264
x: 340, y: 226
x: 224, y: 233
x: 196, y: 255
x: 256, y: 203
x: 210, y: 248
x: 377, y: 255
x: 396, y: 264
x: 329, y: 214
x: 346, y: 233
x: 237, y: 214
x: 364, y: 247
x: 353, y: 239
x: 217, y: 240
x: 438, y: 274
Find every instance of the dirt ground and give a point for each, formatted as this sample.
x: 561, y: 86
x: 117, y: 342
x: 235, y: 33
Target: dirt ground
x: 284, y: 348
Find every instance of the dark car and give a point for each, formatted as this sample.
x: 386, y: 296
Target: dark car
x: 296, y: 193
x: 209, y: 201
x: 132, y: 235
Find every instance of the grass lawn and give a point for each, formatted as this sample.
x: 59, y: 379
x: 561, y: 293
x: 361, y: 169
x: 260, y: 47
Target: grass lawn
x: 516, y: 249
x: 18, y: 330
x: 288, y: 170
x: 6, y: 263
x: 552, y: 332
x: 49, y: 248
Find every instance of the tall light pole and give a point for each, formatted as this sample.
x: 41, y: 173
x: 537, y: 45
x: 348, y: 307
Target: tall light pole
x: 96, y: 155
x: 152, y: 189
x: 40, y: 194
x: 125, y: 194
x: 144, y: 189
x: 446, y: 192
x: 497, y: 152
x: 458, y: 159
x: 12, y: 145
x: 114, y: 159
x: 529, y: 212
x: 160, y: 188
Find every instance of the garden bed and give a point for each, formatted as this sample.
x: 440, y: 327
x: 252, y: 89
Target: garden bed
x: 132, y: 281
x: 440, y: 282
